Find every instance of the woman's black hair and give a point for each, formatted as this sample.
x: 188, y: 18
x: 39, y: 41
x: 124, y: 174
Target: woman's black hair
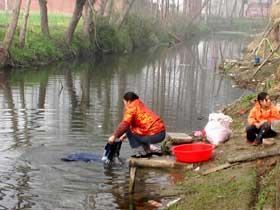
x: 130, y: 96
x: 261, y: 96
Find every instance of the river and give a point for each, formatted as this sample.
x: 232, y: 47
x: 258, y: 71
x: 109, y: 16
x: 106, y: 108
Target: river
x: 50, y: 112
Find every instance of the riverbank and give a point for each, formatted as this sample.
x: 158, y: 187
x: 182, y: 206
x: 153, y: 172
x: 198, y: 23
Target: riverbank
x: 243, y: 185
x: 137, y: 33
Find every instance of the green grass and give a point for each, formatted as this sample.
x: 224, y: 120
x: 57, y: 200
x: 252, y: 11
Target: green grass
x: 218, y: 191
x: 41, y: 49
x: 267, y: 194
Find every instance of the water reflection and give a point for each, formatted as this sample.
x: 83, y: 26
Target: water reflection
x: 69, y: 107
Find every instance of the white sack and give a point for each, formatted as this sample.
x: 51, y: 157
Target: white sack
x: 218, y: 128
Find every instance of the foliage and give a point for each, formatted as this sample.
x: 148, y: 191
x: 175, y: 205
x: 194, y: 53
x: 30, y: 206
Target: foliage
x: 107, y: 37
x: 140, y: 31
x: 246, y: 100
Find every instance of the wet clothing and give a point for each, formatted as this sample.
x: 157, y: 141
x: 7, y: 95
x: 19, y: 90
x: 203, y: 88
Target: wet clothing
x: 140, y: 120
x: 258, y: 115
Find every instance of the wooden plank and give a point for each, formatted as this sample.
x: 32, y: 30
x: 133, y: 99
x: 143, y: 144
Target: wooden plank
x: 154, y: 163
x: 132, y: 179
x: 254, y: 156
x: 218, y: 168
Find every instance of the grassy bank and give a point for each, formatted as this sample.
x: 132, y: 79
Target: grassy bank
x: 136, y: 33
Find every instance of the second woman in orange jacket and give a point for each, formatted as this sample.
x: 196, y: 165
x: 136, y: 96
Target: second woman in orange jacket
x: 260, y: 119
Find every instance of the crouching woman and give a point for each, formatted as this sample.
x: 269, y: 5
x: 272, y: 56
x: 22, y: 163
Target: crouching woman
x: 140, y: 125
x: 260, y: 119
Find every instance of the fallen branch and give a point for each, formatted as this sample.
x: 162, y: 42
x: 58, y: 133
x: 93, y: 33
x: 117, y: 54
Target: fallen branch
x: 254, y: 156
x: 268, y: 57
x: 267, y: 31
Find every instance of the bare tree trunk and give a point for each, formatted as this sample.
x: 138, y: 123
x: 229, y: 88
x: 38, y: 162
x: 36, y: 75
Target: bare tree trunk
x: 262, y: 8
x: 220, y: 9
x: 166, y: 9
x: 9, y: 36
x: 209, y: 8
x: 185, y: 3
x: 103, y: 7
x: 6, y: 5
x: 198, y: 13
x: 233, y: 10
x: 44, y: 17
x: 162, y: 9
x: 241, y: 12
x: 23, y: 28
x: 85, y: 16
x: 125, y: 14
x: 74, y: 20
x: 111, y: 10
x: 226, y: 3
x: 88, y: 21
x: 157, y: 8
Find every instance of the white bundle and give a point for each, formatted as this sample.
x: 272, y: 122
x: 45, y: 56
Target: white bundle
x: 218, y: 128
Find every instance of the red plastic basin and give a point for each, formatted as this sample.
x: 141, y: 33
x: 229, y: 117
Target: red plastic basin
x: 193, y: 153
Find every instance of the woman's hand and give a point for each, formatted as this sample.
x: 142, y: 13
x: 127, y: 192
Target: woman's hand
x: 111, y: 139
x: 258, y: 125
x: 123, y: 137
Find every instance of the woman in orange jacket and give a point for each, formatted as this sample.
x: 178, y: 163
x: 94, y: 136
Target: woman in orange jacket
x: 140, y: 125
x: 260, y: 119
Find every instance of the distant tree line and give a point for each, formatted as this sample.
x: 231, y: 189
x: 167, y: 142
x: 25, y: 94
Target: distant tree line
x: 163, y: 10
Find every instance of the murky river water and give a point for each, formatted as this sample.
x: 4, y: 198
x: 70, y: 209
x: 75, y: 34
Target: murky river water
x: 51, y: 112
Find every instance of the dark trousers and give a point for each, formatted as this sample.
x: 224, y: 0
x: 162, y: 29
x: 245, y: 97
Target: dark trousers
x: 137, y: 141
x: 254, y: 133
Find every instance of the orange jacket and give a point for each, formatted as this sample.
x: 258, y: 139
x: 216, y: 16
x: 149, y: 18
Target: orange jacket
x: 257, y: 115
x: 140, y: 119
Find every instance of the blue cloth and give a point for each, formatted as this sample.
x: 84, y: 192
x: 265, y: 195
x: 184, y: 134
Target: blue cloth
x: 86, y: 157
x: 111, y: 151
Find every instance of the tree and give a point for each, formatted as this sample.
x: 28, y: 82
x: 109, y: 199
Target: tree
x: 74, y: 20
x: 44, y: 17
x: 89, y: 26
x: 125, y: 14
x: 6, y: 5
x: 9, y: 36
x: 23, y: 28
x: 103, y: 7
